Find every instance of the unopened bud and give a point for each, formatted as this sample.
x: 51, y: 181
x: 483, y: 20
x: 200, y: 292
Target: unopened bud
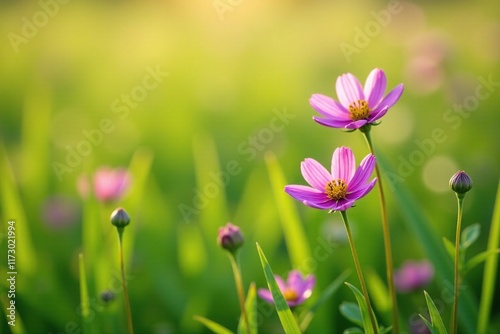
x: 107, y: 296
x: 461, y: 183
x: 120, y: 218
x: 230, y: 237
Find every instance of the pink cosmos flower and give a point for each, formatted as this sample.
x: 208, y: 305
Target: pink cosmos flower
x: 357, y: 106
x: 339, y: 189
x: 110, y: 184
x: 413, y: 275
x: 295, y: 290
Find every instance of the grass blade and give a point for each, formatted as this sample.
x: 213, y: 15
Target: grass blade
x: 18, y: 327
x: 436, y: 324
x: 212, y: 325
x: 84, y: 296
x: 251, y: 309
x: 286, y: 317
x: 35, y: 146
x: 490, y: 269
x: 13, y: 209
x: 211, y: 189
x: 367, y: 325
x: 296, y: 241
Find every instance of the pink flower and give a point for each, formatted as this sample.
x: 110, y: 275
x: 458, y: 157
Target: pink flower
x: 110, y: 184
x: 295, y: 290
x: 60, y: 212
x: 413, y: 275
x: 357, y: 106
x: 339, y: 189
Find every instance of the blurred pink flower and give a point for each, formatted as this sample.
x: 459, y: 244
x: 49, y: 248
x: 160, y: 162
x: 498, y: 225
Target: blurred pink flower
x: 425, y: 71
x: 413, y: 275
x: 357, y: 105
x: 59, y: 212
x: 110, y: 184
x: 295, y: 290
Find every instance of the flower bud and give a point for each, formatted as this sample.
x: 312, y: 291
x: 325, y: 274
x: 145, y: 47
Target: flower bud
x: 107, y: 296
x: 461, y: 183
x: 120, y: 218
x: 230, y: 237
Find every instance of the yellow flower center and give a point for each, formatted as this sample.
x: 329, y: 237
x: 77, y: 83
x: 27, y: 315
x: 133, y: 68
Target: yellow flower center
x: 290, y: 295
x: 336, y: 189
x: 359, y: 110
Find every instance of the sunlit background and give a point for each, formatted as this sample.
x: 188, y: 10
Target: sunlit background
x: 191, y: 96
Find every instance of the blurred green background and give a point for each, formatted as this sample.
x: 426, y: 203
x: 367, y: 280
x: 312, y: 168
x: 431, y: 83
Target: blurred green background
x: 225, y: 70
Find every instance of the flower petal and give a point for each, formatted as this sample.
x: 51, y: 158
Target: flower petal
x: 315, y: 174
x: 376, y: 114
x: 281, y: 283
x: 392, y: 97
x: 342, y: 205
x: 375, y: 87
x: 323, y: 206
x: 304, y: 290
x: 294, y: 281
x: 361, y: 191
x: 328, y: 107
x: 305, y: 193
x: 266, y: 295
x: 343, y: 164
x: 348, y: 89
x: 332, y: 123
x: 362, y: 174
x: 293, y: 303
x: 356, y: 124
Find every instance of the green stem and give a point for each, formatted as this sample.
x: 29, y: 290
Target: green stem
x: 239, y: 288
x: 124, y: 284
x: 358, y: 270
x: 457, y: 259
x: 387, y: 241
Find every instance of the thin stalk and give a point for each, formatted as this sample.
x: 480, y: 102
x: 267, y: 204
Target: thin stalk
x: 239, y: 288
x: 387, y: 241
x: 457, y: 274
x: 124, y: 284
x: 358, y: 270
